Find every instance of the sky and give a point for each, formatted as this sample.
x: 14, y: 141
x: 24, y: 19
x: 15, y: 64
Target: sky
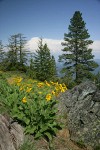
x: 48, y: 19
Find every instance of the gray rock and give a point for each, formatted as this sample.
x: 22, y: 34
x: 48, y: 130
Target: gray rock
x: 82, y: 106
x: 11, y: 135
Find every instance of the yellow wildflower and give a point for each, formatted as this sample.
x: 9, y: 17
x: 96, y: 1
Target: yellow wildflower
x: 19, y: 80
x: 48, y: 97
x: 40, y: 84
x: 60, y: 85
x: 47, y: 83
x: 64, y: 86
x: 52, y: 83
x: 53, y: 92
x: 57, y: 88
x: 62, y: 89
x: 56, y: 83
x: 21, y: 88
x: 28, y: 90
x: 24, y: 100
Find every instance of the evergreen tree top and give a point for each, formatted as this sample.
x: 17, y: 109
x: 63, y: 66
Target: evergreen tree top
x: 77, y: 27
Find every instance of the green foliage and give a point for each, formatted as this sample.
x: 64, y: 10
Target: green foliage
x: 16, y: 55
x: 33, y: 105
x: 2, y: 106
x: 30, y: 70
x: 28, y: 144
x: 97, y: 147
x: 68, y: 81
x: 43, y: 63
x: 81, y: 144
x: 77, y: 57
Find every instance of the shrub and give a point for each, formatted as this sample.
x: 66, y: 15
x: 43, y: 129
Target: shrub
x: 33, y: 105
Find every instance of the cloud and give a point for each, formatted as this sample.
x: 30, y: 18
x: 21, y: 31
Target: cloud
x: 96, y: 45
x: 55, y: 46
x: 96, y: 49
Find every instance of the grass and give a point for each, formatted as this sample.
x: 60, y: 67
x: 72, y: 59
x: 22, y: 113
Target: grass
x: 28, y: 144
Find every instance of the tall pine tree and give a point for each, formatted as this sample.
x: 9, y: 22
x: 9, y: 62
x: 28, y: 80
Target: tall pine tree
x: 16, y: 55
x: 44, y: 63
x: 77, y: 56
x: 21, y: 48
x: 12, y: 54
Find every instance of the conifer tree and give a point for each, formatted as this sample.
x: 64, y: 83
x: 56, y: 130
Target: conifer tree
x: 16, y: 55
x: 53, y: 66
x: 44, y: 63
x: 12, y: 54
x: 77, y: 55
x: 21, y: 49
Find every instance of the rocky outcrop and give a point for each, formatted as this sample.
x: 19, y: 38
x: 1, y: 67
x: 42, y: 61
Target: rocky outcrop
x: 82, y: 106
x: 11, y: 134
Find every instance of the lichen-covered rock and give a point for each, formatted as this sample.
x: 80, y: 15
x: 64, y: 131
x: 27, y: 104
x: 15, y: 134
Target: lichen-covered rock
x: 82, y: 106
x: 11, y: 135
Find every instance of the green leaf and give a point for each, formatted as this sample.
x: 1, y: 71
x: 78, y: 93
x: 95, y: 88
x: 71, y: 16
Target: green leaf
x: 49, y: 136
x: 55, y: 130
x: 38, y: 134
x: 44, y: 128
x: 27, y: 121
x: 30, y: 130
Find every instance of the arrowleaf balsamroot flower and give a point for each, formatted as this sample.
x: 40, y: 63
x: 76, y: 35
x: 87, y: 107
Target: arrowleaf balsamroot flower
x: 28, y: 90
x: 24, y: 100
x: 53, y: 92
x: 47, y: 83
x: 48, y: 97
x: 40, y: 84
